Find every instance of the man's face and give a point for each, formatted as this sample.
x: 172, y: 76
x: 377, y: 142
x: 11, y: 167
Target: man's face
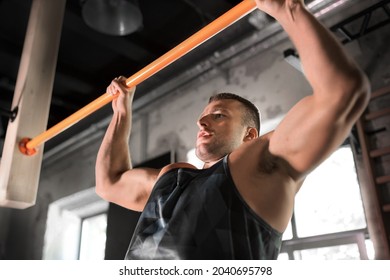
x: 220, y: 130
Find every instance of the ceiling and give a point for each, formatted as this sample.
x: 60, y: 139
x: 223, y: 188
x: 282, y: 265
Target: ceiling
x: 88, y: 60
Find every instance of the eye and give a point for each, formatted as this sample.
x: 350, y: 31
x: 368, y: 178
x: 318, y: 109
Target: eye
x: 218, y: 116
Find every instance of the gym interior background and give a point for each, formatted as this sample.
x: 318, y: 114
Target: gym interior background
x: 342, y: 211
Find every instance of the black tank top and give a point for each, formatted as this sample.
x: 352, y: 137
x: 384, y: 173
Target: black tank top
x: 199, y: 214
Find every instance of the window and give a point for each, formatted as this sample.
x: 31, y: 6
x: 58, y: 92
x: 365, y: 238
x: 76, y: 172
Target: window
x: 93, y: 237
x: 76, y: 227
x: 328, y: 220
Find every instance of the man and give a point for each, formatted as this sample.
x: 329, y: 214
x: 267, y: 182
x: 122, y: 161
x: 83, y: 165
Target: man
x: 239, y: 204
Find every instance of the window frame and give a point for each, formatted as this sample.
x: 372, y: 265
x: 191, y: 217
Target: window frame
x: 356, y: 236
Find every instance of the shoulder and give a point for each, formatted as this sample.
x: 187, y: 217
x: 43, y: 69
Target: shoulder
x: 254, y: 155
x: 172, y: 166
x: 255, y: 158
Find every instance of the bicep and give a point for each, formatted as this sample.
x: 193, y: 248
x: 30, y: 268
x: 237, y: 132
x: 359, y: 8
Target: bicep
x: 132, y: 189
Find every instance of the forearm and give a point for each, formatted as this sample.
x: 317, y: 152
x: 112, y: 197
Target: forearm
x: 329, y: 70
x: 113, y: 158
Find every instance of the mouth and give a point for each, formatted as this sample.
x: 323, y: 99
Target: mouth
x: 204, y: 134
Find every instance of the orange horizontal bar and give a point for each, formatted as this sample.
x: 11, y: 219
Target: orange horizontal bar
x: 180, y: 50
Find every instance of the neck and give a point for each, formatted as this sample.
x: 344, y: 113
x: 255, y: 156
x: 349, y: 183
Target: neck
x: 211, y: 163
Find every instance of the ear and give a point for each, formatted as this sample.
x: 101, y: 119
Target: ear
x: 251, y: 134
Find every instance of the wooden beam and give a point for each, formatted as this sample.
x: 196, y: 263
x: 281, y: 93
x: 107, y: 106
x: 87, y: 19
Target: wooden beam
x: 19, y: 174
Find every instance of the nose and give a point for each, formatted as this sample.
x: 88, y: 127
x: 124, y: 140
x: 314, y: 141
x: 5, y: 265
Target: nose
x: 203, y: 121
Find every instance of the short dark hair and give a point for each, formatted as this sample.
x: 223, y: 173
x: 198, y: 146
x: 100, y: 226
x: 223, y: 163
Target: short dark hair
x: 251, y: 116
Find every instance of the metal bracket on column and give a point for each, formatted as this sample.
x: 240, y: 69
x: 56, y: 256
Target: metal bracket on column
x: 9, y: 114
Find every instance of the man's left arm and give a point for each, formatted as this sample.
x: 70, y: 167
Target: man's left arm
x: 319, y: 123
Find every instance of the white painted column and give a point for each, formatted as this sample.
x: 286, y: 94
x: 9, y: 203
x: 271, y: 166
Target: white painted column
x: 19, y: 174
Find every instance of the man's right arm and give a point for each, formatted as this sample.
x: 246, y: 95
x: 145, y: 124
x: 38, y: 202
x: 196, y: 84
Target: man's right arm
x: 116, y: 181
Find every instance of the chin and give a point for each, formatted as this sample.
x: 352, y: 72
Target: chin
x: 208, y: 157
x: 203, y: 156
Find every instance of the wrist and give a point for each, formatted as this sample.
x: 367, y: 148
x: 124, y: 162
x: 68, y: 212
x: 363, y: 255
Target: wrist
x: 288, y: 12
x: 121, y: 120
